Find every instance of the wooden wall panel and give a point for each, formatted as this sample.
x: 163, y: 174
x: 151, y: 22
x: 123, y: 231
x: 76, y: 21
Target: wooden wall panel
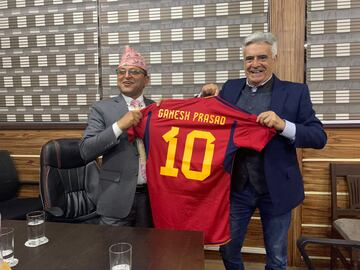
x: 319, y: 251
x: 287, y: 22
x: 28, y: 191
x: 29, y: 142
x: 343, y: 146
x: 28, y: 168
x: 316, y: 209
x: 316, y: 175
x: 324, y: 230
x: 24, y: 147
x: 254, y: 237
x: 343, y: 143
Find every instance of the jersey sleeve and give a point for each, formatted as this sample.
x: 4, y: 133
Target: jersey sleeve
x: 138, y: 131
x: 245, y: 131
x: 252, y: 134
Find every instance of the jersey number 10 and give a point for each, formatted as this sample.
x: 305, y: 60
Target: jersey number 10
x: 170, y: 138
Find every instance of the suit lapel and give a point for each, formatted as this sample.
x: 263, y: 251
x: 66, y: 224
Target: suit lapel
x: 147, y: 101
x: 122, y: 103
x: 241, y: 88
x: 278, y: 96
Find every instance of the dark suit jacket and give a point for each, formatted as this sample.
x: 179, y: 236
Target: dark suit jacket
x: 120, y: 159
x: 291, y: 101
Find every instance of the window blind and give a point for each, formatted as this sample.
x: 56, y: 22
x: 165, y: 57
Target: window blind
x: 333, y: 59
x: 57, y: 57
x: 48, y: 59
x: 186, y: 43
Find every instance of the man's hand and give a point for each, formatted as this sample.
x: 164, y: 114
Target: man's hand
x: 131, y: 118
x: 209, y: 89
x: 271, y: 120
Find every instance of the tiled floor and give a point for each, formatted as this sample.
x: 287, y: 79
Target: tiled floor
x: 217, y: 265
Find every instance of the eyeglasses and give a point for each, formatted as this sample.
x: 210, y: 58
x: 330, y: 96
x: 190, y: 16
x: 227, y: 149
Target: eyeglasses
x: 131, y: 71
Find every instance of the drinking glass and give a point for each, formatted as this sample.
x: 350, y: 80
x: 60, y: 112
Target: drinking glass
x: 7, y: 246
x: 36, y: 229
x: 120, y: 256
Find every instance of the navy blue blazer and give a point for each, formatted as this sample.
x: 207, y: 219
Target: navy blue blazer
x: 290, y: 101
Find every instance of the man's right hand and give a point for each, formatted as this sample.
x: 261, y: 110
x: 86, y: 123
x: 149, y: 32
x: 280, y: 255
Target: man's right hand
x: 131, y: 118
x: 209, y: 89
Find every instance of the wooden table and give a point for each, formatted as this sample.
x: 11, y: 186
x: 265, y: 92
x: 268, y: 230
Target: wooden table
x: 85, y: 246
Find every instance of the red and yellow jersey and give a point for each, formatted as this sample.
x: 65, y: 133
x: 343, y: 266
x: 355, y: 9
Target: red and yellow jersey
x: 190, y: 146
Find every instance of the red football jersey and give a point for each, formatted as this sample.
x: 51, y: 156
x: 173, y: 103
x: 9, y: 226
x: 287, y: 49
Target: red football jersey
x: 190, y: 145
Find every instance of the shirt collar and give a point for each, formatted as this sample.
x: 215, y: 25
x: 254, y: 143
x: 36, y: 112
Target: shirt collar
x: 261, y: 84
x: 129, y: 99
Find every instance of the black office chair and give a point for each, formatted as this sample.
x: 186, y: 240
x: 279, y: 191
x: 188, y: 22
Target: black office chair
x: 68, y: 185
x: 12, y: 207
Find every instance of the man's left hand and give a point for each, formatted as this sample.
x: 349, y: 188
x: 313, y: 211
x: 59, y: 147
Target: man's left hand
x: 210, y: 89
x: 271, y: 120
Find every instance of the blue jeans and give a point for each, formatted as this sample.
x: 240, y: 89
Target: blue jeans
x: 275, y: 229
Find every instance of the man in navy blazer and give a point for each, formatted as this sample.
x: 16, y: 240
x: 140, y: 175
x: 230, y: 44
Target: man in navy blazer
x: 271, y: 180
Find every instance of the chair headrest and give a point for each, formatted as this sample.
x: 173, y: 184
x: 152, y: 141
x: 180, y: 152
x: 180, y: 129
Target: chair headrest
x: 62, y: 153
x: 7, y: 167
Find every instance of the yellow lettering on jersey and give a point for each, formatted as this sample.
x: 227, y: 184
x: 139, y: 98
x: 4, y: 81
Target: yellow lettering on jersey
x: 209, y: 118
x: 186, y: 116
x: 166, y: 114
x: 169, y: 137
x: 194, y: 116
x: 188, y: 151
x: 206, y: 118
x: 170, y: 170
x: 174, y: 114
x: 222, y: 120
x: 171, y: 114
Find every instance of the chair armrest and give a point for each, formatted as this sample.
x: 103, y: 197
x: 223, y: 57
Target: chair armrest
x: 57, y: 214
x: 303, y: 241
x: 54, y: 211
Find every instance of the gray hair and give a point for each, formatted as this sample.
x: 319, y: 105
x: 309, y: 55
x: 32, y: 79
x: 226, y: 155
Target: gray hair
x: 259, y: 37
